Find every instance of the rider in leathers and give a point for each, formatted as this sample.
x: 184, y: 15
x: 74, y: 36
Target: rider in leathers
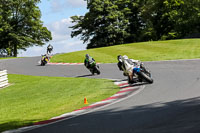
x: 49, y: 49
x: 87, y: 59
x: 125, y: 64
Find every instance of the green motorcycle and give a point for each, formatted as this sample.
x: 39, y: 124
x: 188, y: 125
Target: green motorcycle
x: 93, y: 67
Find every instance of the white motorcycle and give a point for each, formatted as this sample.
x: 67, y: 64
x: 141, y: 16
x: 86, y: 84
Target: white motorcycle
x: 136, y: 71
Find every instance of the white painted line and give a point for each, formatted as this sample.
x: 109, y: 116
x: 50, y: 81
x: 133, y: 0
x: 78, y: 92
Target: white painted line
x: 23, y: 129
x: 121, y: 94
x: 117, y: 101
x: 118, y: 82
x: 68, y: 114
x: 130, y: 88
x: 101, y: 102
x: 123, y: 86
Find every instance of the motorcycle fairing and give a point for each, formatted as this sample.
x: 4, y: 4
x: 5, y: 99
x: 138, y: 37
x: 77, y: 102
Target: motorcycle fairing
x: 136, y: 70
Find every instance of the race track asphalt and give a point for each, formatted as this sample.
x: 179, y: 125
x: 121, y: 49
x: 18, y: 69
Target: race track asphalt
x: 170, y: 105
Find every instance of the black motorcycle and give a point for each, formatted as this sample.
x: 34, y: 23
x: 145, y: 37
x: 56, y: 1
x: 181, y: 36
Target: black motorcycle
x: 44, y: 60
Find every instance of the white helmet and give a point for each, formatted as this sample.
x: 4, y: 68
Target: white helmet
x: 125, y: 57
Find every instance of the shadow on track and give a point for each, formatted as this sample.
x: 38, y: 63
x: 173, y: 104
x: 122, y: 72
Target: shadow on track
x: 88, y: 75
x: 176, y: 116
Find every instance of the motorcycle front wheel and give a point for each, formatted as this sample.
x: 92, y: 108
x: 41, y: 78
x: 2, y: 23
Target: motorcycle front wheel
x: 42, y: 63
x: 97, y: 70
x: 145, y: 77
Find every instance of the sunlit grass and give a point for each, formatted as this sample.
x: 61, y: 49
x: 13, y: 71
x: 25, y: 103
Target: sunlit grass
x: 145, y: 51
x: 31, y: 99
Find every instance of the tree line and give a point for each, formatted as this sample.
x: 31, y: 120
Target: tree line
x: 113, y: 22
x: 20, y: 26
x: 107, y: 23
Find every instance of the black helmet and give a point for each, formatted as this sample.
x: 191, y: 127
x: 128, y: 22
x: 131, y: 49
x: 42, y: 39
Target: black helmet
x: 87, y: 56
x: 119, y: 57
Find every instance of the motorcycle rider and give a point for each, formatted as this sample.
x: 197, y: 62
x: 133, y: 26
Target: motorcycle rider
x: 49, y: 49
x: 87, y: 59
x: 119, y: 64
x: 126, y: 65
x: 46, y: 56
x: 43, y: 60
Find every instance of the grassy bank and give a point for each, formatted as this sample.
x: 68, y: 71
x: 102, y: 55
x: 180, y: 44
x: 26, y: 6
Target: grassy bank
x: 146, y: 51
x: 3, y: 58
x: 32, y: 98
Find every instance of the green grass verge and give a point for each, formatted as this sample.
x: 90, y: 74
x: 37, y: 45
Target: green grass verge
x: 9, y: 58
x: 145, y: 51
x: 32, y: 98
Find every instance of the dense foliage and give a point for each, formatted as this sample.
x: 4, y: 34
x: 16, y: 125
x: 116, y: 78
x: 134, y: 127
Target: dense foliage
x: 112, y: 22
x: 20, y: 26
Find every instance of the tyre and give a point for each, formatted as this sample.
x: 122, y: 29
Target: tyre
x: 140, y: 80
x: 42, y: 63
x: 97, y: 70
x: 145, y: 77
x: 148, y: 74
x: 91, y: 70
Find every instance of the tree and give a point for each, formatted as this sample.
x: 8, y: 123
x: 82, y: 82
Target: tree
x: 20, y: 25
x: 103, y: 25
x: 112, y: 22
x: 171, y: 19
x: 132, y: 12
x: 189, y: 24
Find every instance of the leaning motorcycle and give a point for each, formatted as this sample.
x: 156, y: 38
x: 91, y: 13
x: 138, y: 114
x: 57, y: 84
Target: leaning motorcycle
x: 44, y: 60
x: 141, y: 74
x: 94, y: 68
